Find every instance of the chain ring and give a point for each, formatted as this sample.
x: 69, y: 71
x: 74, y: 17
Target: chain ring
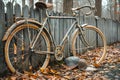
x: 58, y: 53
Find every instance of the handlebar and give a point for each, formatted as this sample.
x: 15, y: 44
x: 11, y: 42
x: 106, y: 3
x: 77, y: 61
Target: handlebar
x: 89, y: 7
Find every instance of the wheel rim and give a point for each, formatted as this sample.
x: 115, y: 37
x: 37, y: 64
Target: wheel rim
x: 8, y: 49
x: 98, y: 56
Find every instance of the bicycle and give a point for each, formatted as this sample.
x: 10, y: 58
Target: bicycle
x: 27, y: 39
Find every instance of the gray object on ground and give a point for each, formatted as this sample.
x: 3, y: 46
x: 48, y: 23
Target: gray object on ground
x: 76, y: 61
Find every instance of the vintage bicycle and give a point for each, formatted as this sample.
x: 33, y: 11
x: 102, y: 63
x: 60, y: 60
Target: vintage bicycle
x: 29, y: 44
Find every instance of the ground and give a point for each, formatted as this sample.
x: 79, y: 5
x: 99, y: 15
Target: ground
x: 109, y: 70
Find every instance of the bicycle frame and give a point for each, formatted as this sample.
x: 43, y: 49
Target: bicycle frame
x: 46, y: 20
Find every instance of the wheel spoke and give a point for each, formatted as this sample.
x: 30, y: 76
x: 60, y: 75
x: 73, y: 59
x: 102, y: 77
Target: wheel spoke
x: 88, y: 43
x: 19, y: 55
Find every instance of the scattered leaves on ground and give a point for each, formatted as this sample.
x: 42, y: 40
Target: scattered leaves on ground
x: 109, y: 70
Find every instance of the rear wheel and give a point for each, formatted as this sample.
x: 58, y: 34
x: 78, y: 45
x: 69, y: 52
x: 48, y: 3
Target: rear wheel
x: 18, y: 54
x: 90, y: 46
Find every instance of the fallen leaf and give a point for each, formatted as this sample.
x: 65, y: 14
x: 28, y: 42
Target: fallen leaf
x: 67, y: 77
x: 34, y: 76
x: 69, y: 67
x: 96, y: 65
x: 44, y: 70
x: 53, y: 71
x: 12, y: 78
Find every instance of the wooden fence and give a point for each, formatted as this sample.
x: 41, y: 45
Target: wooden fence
x: 110, y: 28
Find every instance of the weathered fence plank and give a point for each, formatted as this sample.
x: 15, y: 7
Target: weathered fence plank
x: 56, y: 28
x: 81, y: 20
x: 109, y: 24
x: 91, y: 35
x: 105, y: 28
x: 37, y: 14
x: 17, y: 10
x: 114, y: 32
x: 9, y: 14
x: 118, y: 28
x: 101, y: 26
x: 25, y: 11
x: 66, y: 26
x: 2, y: 20
x: 2, y: 31
x: 90, y: 20
x: 32, y: 14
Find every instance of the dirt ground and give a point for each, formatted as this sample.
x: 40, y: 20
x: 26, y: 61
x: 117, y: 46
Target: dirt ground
x: 109, y: 70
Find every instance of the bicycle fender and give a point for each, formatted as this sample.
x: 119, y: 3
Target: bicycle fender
x: 20, y: 22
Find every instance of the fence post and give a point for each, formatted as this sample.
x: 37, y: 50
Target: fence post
x: 32, y: 13
x: 9, y: 14
x: 118, y: 27
x: 17, y: 10
x: 2, y: 31
x: 91, y: 21
x: 114, y: 31
x: 25, y: 11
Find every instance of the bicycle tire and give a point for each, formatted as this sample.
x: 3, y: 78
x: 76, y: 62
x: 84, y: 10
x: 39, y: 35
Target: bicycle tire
x: 26, y: 62
x: 83, y: 41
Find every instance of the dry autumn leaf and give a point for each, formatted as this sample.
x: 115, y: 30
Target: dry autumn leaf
x: 52, y: 71
x: 44, y: 70
x: 12, y: 78
x: 96, y: 65
x: 69, y: 67
x: 67, y: 77
x: 34, y: 76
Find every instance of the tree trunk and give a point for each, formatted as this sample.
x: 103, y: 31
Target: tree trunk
x: 50, y: 1
x: 98, y: 5
x: 118, y: 9
x: 67, y: 5
x: 42, y: 0
x: 23, y: 3
x: 31, y: 3
x: 115, y: 10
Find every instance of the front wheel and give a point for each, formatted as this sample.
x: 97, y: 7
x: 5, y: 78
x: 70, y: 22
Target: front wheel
x: 18, y: 54
x: 89, y: 44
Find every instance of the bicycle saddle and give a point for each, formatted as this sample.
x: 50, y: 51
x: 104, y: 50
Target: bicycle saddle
x: 43, y: 5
